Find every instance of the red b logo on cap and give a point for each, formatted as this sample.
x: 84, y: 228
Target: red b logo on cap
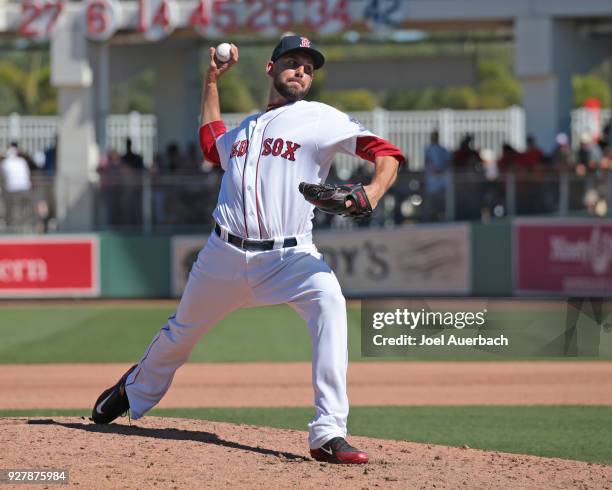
x: 305, y: 42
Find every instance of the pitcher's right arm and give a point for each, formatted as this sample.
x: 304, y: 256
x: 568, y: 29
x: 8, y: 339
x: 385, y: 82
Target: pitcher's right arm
x: 212, y: 127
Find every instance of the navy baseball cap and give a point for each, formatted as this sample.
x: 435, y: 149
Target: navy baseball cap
x: 298, y: 43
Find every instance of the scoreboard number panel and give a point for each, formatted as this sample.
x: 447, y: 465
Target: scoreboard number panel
x: 212, y: 19
x: 38, y: 17
x: 102, y: 19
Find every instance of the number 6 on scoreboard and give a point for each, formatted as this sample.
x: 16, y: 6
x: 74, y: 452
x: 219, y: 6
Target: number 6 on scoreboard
x: 102, y: 18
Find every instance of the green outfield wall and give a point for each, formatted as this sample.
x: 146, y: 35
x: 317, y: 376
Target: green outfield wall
x: 139, y: 266
x: 543, y: 257
x: 134, y: 266
x: 491, y: 259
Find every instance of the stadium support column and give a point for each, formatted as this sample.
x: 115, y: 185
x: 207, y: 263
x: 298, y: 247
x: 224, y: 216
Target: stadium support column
x: 178, y: 88
x: 71, y: 74
x: 99, y: 55
x: 547, y: 53
x: 541, y: 87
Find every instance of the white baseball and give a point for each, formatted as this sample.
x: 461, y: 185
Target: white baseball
x: 223, y: 52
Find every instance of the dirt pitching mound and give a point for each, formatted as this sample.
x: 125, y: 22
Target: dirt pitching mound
x: 179, y: 453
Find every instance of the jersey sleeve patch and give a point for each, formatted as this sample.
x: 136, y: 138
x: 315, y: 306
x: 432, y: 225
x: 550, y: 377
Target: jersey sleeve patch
x: 208, y: 137
x: 370, y: 147
x: 357, y: 122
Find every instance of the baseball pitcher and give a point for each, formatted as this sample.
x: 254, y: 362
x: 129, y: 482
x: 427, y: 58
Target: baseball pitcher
x: 260, y: 251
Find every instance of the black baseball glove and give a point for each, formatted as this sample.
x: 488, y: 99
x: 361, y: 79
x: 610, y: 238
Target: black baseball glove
x: 332, y: 199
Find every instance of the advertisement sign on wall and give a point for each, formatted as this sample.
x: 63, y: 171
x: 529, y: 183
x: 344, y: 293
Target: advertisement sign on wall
x: 411, y: 260
x: 563, y: 257
x: 184, y: 251
x: 49, y: 266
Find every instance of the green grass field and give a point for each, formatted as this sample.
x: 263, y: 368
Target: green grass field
x: 121, y: 334
x: 580, y: 433
x: 101, y: 333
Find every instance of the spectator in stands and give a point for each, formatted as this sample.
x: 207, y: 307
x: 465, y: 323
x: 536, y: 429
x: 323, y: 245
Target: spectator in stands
x: 594, y: 204
x: 589, y: 155
x: 493, y: 192
x: 562, y: 155
x: 533, y: 155
x: 17, y: 186
x: 489, y: 164
x: 174, y: 157
x: 437, y: 159
x: 606, y: 137
x: 194, y: 159
x: 531, y: 190
x: 600, y: 181
x: 131, y: 159
x: 583, y: 187
x: 27, y: 157
x: 466, y: 158
x: 606, y: 161
x: 509, y: 159
x: 44, y: 218
x: 467, y: 167
x: 113, y: 173
x: 133, y: 184
x: 50, y: 161
x: 44, y: 189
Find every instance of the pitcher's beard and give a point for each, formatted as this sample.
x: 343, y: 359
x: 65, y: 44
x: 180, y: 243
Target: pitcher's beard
x: 289, y: 92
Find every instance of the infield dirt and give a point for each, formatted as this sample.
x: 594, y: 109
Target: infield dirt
x: 179, y: 453
x: 288, y: 384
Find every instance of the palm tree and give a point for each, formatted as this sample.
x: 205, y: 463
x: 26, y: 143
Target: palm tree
x: 27, y: 89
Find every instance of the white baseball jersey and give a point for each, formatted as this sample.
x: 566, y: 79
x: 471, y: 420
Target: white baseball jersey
x: 267, y: 157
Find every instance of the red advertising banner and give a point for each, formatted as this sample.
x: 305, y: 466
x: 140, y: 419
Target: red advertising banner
x: 49, y: 266
x: 563, y: 257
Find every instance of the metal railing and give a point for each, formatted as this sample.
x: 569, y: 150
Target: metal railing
x: 174, y: 203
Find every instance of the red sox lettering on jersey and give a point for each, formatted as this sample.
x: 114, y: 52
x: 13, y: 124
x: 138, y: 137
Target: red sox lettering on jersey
x: 271, y: 146
x: 259, y: 196
x: 275, y: 146
x: 239, y: 148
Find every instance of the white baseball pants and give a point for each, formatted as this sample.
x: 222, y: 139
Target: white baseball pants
x: 225, y: 278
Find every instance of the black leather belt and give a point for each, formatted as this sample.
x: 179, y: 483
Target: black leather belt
x: 258, y: 245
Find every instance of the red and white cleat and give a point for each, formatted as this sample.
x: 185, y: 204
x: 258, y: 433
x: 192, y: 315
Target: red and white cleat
x: 337, y: 450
